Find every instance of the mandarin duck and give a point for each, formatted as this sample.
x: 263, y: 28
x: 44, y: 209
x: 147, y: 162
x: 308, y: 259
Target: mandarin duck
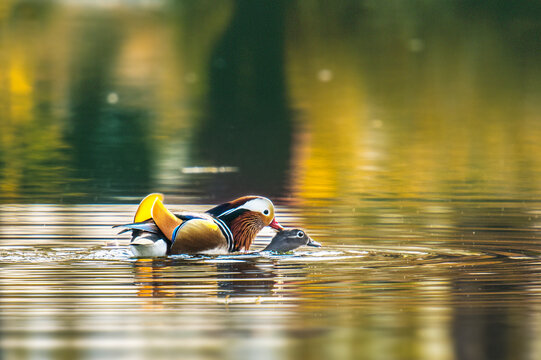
x: 228, y: 227
x: 290, y: 239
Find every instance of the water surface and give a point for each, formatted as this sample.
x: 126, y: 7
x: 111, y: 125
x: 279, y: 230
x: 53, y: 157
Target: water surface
x: 70, y: 288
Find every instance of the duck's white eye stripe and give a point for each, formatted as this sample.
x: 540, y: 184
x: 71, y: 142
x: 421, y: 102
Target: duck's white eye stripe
x: 260, y: 205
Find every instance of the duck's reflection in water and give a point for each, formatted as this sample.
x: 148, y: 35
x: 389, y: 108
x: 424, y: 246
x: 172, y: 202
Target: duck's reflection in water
x: 205, y: 280
x: 245, y: 279
x: 149, y: 281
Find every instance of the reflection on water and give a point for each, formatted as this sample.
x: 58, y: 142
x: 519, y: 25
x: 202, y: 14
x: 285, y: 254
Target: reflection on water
x: 307, y: 100
x: 404, y: 136
x: 72, y: 290
x: 254, y: 108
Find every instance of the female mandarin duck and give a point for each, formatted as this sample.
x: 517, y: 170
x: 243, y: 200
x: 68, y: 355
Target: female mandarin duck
x: 290, y: 239
x: 228, y: 227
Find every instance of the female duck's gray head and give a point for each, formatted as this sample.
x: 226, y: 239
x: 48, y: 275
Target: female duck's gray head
x: 290, y: 239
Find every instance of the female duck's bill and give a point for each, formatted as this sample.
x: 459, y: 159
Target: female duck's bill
x: 290, y: 239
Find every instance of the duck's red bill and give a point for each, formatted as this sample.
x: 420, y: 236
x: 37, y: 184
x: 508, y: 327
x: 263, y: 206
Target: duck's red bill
x: 275, y: 225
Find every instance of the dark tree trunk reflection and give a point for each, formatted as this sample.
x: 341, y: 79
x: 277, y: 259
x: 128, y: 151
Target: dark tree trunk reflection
x: 248, y: 124
x: 109, y: 146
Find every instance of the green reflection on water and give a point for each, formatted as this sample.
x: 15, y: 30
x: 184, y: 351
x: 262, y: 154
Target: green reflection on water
x: 248, y: 123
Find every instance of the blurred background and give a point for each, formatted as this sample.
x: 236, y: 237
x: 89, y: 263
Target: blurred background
x: 106, y: 101
x: 403, y: 135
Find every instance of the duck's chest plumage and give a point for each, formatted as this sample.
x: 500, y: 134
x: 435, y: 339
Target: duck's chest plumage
x: 203, y: 235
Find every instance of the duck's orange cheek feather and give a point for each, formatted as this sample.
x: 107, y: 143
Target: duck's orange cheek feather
x: 244, y: 229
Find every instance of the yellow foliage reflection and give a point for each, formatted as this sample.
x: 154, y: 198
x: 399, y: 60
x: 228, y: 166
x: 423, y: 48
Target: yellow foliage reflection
x: 407, y: 121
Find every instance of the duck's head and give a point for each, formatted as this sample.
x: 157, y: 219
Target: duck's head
x: 246, y: 216
x: 290, y: 239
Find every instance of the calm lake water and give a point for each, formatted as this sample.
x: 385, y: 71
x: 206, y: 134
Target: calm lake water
x: 403, y: 136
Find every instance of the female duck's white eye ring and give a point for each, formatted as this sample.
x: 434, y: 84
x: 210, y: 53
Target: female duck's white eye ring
x: 266, y: 212
x: 300, y: 234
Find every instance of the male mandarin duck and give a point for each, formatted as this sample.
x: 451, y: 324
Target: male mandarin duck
x: 228, y: 227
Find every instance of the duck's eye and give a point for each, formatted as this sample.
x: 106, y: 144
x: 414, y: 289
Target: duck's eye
x: 300, y: 234
x: 266, y: 212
